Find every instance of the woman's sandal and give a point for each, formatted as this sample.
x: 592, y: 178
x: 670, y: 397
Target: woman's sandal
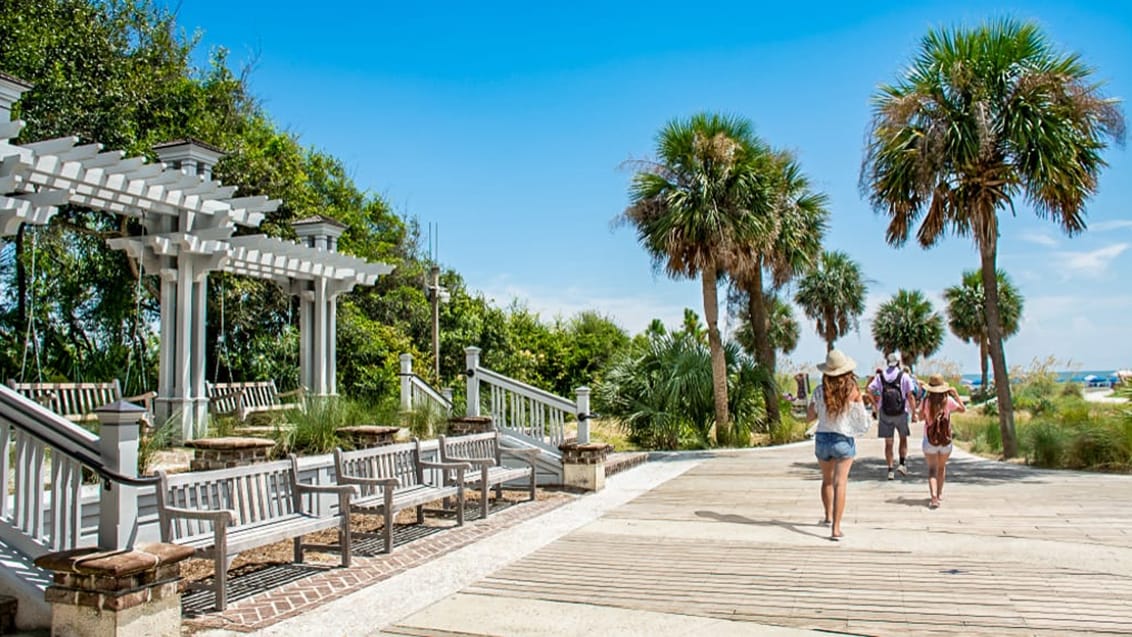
x: 934, y: 504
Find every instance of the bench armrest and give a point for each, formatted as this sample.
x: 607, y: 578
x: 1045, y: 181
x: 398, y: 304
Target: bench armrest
x: 461, y: 464
x: 475, y: 462
x: 380, y: 482
x: 144, y: 399
x: 300, y: 392
x: 227, y: 516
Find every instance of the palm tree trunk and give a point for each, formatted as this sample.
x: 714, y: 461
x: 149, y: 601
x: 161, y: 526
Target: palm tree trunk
x: 830, y: 333
x: 764, y: 353
x: 989, y: 254
x: 718, y: 362
x: 984, y: 351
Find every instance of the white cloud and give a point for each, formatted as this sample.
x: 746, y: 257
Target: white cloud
x: 1090, y: 263
x: 1105, y: 226
x: 1039, y: 238
x: 633, y: 313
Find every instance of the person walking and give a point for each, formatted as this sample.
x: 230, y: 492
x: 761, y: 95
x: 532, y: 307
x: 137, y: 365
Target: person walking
x: 941, y: 402
x: 895, y: 403
x: 839, y: 408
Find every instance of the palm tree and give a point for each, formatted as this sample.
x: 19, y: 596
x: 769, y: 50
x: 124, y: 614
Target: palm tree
x: 786, y: 241
x: 833, y: 295
x: 782, y: 327
x: 967, y: 318
x: 982, y: 117
x: 908, y: 324
x: 689, y: 203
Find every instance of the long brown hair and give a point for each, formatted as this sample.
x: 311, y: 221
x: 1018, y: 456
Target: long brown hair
x: 837, y: 391
x: 936, y: 402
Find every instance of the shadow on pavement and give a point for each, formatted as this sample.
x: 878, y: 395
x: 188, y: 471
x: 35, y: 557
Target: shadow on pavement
x: 732, y: 518
x: 963, y: 470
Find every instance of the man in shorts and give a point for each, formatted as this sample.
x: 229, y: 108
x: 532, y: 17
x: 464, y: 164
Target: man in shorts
x: 894, y: 397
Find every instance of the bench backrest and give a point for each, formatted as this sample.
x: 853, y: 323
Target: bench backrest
x: 73, y: 401
x: 401, y: 461
x: 245, y: 396
x: 256, y: 493
x: 485, y: 445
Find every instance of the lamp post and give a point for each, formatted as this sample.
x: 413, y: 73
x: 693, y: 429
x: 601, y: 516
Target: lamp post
x: 436, y: 295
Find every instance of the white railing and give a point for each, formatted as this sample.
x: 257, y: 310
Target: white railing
x: 417, y: 394
x: 523, y: 410
x: 43, y: 458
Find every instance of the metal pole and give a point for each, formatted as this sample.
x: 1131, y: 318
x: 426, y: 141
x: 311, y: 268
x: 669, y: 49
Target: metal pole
x: 434, y: 291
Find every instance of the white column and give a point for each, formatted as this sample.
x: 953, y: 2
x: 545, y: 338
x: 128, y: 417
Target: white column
x: 472, y: 357
x: 182, y: 378
x: 583, y: 404
x: 320, y: 354
x: 197, y: 394
x: 306, y: 336
x: 406, y: 382
x: 167, y: 360
x: 332, y: 345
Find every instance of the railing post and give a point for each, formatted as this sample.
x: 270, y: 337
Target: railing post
x: 583, y: 403
x: 406, y: 382
x: 447, y: 393
x: 118, y: 447
x: 472, y: 355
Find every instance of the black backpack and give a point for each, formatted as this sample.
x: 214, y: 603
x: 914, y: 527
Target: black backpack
x: 891, y: 397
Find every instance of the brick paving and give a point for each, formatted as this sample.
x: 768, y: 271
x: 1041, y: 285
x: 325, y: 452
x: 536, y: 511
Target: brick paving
x: 307, y: 586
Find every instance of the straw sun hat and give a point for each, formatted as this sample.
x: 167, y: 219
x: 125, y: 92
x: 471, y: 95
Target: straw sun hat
x: 836, y: 363
x: 937, y: 385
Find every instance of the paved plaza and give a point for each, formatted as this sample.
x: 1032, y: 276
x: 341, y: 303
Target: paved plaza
x: 728, y: 543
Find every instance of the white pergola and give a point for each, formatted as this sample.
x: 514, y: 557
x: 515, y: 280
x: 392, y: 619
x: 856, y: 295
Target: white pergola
x: 189, y: 223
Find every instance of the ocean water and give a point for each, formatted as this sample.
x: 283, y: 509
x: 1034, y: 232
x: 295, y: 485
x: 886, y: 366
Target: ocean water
x: 1103, y: 377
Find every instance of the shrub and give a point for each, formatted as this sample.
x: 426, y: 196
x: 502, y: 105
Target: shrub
x: 1045, y: 444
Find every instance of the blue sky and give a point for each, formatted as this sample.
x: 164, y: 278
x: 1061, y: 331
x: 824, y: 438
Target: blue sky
x: 506, y: 124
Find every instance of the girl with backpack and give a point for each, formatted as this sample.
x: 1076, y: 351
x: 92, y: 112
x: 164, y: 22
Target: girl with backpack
x: 838, y: 407
x: 942, y: 401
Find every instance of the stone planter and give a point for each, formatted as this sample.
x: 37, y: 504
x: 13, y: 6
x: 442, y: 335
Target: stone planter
x: 366, y: 436
x: 583, y: 465
x: 122, y: 593
x: 465, y: 425
x: 224, y: 453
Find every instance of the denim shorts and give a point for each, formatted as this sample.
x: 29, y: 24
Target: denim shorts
x: 834, y: 446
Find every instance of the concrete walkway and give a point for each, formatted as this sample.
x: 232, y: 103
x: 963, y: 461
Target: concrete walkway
x: 728, y: 543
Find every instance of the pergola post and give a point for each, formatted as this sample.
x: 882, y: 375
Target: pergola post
x: 318, y: 313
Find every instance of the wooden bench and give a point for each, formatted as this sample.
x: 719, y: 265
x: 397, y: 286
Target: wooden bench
x: 77, y: 401
x: 254, y: 397
x: 224, y: 512
x: 483, y: 451
x: 394, y: 477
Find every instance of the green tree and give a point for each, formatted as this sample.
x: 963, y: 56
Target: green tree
x: 833, y: 295
x: 784, y: 241
x: 687, y: 205
x: 983, y: 117
x: 967, y: 318
x: 908, y: 324
x: 782, y: 328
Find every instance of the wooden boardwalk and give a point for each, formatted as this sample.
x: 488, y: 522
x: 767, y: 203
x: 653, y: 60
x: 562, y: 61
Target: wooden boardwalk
x: 1013, y: 551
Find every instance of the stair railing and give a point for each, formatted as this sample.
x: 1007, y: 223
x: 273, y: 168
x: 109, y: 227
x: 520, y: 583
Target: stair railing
x: 46, y: 460
x: 523, y: 410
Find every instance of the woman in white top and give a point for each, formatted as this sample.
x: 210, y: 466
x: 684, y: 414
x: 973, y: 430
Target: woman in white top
x: 841, y: 415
